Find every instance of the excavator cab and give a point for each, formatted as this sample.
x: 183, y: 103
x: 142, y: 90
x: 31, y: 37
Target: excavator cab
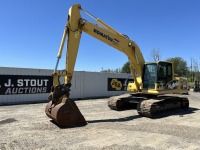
x: 156, y: 75
x: 159, y: 78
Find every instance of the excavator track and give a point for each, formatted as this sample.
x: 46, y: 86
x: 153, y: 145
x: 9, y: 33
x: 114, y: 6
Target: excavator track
x: 125, y: 101
x: 156, y: 107
x: 148, y: 107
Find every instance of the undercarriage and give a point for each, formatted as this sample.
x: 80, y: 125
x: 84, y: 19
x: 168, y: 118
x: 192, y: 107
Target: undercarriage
x: 148, y: 105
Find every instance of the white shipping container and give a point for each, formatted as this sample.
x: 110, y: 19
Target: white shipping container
x: 84, y: 85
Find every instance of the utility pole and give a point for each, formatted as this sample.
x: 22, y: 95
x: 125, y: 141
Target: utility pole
x: 191, y: 70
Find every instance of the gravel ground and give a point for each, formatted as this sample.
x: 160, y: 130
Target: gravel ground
x: 28, y: 127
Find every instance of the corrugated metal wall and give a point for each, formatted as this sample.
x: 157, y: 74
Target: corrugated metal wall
x: 84, y: 85
x: 94, y: 84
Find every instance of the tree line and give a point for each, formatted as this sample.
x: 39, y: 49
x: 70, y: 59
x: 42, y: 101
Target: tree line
x: 181, y: 67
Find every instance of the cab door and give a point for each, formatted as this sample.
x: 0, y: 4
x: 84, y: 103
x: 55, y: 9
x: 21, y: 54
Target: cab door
x: 165, y: 73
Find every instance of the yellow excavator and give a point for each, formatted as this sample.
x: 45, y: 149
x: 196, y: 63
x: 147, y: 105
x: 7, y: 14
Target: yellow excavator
x: 151, y: 80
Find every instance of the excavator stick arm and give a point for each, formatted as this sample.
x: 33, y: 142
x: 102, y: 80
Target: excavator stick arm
x: 60, y: 108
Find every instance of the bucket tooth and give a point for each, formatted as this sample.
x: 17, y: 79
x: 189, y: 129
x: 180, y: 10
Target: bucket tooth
x: 65, y: 114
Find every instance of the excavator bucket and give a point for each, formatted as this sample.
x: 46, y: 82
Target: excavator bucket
x: 65, y: 114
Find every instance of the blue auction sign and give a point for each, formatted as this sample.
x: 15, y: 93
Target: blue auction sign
x: 25, y: 84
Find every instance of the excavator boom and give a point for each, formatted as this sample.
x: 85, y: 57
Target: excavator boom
x: 72, y: 33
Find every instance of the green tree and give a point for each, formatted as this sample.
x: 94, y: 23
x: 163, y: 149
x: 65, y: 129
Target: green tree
x: 180, y: 66
x: 126, y: 68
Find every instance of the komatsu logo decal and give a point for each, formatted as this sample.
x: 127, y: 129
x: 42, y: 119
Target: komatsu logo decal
x: 115, y: 41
